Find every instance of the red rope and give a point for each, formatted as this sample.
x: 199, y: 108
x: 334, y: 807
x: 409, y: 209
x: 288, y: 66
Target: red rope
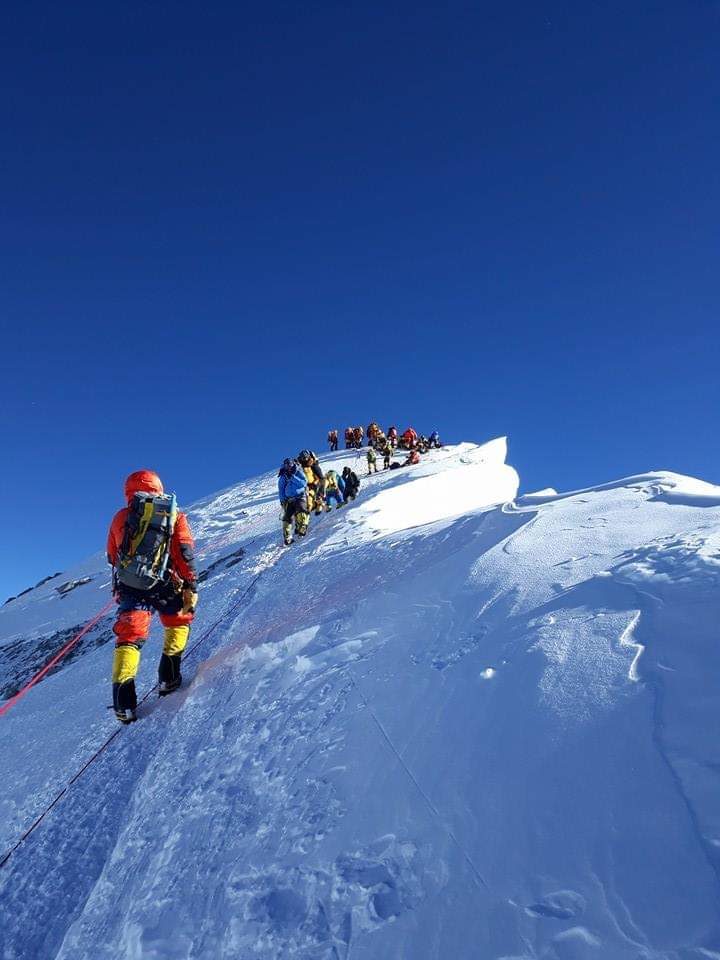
x: 9, y: 704
x: 46, y: 811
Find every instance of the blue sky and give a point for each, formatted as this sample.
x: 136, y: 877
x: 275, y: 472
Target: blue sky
x: 227, y: 227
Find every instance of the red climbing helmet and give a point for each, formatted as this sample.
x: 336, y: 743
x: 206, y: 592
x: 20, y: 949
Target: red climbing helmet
x: 142, y: 481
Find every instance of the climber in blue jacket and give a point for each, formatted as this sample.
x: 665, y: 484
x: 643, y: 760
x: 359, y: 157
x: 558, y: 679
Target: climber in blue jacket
x: 292, y: 491
x: 334, y: 490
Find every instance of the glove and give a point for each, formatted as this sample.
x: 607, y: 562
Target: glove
x: 190, y: 598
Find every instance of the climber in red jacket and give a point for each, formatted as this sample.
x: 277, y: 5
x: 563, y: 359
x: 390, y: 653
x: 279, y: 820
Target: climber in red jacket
x: 151, y: 550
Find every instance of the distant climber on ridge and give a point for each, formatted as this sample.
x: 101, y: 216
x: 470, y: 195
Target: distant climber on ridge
x: 387, y: 452
x: 333, y: 440
x: 352, y: 484
x: 315, y: 480
x: 411, y: 460
x: 408, y: 439
x: 150, y: 547
x: 334, y: 490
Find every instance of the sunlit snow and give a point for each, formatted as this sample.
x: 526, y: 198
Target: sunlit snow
x: 454, y: 723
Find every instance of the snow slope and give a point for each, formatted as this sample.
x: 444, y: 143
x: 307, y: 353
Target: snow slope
x: 451, y: 724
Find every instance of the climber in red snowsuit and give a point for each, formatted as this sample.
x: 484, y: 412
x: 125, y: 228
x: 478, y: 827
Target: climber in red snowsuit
x: 174, y: 599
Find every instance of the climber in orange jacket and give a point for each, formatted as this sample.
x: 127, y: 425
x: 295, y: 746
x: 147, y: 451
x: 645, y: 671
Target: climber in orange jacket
x: 150, y: 547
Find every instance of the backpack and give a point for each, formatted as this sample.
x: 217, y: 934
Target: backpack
x: 331, y: 480
x: 143, y: 557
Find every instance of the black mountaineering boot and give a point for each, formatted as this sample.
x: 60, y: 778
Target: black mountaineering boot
x: 169, y: 673
x: 125, y: 701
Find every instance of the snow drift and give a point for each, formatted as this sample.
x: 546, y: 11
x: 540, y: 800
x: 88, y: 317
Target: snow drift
x: 451, y: 724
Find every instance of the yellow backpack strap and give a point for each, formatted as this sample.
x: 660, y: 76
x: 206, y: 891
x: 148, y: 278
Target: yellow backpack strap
x: 148, y: 510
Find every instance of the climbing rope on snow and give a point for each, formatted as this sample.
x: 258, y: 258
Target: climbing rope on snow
x: 210, y: 630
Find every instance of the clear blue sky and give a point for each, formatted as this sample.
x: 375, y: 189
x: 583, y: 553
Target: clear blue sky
x: 227, y: 227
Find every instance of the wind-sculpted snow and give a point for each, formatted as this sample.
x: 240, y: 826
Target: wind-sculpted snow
x: 450, y: 724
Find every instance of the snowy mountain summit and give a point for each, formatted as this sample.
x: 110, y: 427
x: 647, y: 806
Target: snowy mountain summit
x: 452, y: 723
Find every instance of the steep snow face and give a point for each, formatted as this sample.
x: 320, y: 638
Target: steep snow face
x: 449, y: 724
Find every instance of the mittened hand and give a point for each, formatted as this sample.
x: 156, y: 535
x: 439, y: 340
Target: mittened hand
x: 190, y: 599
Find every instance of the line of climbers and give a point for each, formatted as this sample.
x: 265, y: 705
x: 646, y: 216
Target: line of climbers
x: 303, y: 489
x: 151, y: 550
x: 378, y: 439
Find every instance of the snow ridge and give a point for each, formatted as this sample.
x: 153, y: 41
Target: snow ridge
x: 453, y: 723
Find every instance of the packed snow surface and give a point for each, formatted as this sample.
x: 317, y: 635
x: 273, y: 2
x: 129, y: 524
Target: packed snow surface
x: 451, y: 724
